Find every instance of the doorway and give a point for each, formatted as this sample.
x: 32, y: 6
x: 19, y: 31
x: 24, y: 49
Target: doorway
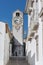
x: 24, y: 48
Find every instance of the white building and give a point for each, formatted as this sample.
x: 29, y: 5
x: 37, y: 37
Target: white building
x: 4, y: 43
x: 34, y: 43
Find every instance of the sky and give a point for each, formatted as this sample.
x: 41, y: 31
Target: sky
x: 25, y: 25
x: 7, y: 7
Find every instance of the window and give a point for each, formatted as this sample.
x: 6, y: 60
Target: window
x: 17, y: 14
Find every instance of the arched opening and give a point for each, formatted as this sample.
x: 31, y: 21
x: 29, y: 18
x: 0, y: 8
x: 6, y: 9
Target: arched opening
x: 16, y: 48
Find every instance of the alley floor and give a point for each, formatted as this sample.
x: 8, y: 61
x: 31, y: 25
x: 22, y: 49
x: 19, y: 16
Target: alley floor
x: 17, y: 61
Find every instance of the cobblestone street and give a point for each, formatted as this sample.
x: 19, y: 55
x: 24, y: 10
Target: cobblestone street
x: 17, y: 61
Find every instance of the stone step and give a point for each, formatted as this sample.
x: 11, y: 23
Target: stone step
x: 18, y: 57
x: 17, y: 62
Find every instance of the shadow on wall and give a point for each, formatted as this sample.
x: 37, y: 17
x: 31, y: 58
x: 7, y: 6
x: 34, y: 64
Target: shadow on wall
x: 31, y: 60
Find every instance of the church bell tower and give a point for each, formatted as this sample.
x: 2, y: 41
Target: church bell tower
x: 17, y: 26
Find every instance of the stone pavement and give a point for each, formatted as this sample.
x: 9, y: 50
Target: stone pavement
x: 17, y: 61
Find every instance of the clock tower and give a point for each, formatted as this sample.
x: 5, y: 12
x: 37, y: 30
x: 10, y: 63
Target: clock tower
x: 17, y: 26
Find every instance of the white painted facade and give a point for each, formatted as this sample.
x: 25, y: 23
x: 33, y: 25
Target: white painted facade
x: 17, y: 27
x: 6, y: 49
x: 4, y: 44
x: 2, y: 35
x: 34, y: 43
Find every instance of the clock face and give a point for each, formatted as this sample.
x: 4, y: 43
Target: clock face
x: 16, y: 21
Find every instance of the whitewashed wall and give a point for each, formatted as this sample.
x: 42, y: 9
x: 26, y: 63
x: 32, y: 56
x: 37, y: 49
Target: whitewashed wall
x: 10, y: 50
x: 6, y: 49
x: 28, y: 53
x: 31, y: 52
x: 40, y: 56
x: 31, y: 48
x: 2, y: 38
x: 4, y: 45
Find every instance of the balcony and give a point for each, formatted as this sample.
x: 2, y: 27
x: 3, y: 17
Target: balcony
x: 30, y: 10
x: 34, y: 26
x: 29, y: 6
x: 29, y: 39
x: 31, y: 35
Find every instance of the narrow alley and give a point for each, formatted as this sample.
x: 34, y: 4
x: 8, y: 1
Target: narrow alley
x: 17, y: 61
